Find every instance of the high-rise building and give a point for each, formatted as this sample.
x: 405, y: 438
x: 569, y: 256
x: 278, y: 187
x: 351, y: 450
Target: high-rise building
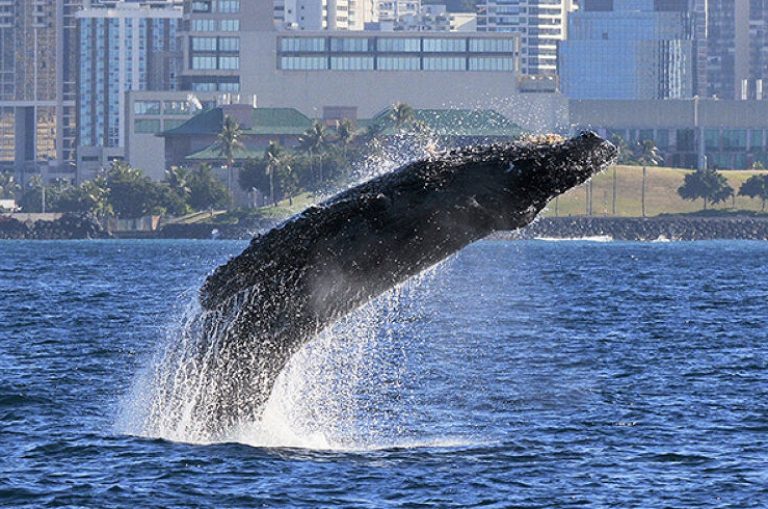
x: 737, y: 63
x: 210, y: 42
x: 124, y: 46
x: 541, y: 24
x: 629, y: 49
x: 38, y: 65
x: 394, y: 10
x: 325, y: 14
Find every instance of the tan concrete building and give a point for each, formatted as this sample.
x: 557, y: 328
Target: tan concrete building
x: 689, y: 133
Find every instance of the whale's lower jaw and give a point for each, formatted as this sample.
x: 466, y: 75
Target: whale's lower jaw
x: 297, y: 279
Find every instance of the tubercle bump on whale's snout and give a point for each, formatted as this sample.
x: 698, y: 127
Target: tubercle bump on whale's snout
x: 574, y: 161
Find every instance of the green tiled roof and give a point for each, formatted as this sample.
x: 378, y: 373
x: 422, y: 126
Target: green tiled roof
x: 457, y: 122
x: 211, y: 153
x: 207, y: 122
x: 265, y: 121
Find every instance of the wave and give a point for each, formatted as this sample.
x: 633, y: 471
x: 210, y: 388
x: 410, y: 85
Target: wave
x: 591, y: 238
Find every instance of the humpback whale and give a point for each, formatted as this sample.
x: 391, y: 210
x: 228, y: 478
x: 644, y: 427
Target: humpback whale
x: 264, y: 304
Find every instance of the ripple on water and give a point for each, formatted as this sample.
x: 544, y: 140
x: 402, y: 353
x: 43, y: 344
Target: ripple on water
x: 528, y: 374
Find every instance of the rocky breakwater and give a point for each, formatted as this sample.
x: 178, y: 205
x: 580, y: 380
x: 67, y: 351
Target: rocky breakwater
x: 68, y: 226
x: 646, y: 229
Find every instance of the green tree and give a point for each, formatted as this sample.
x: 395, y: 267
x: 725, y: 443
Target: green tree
x: 313, y: 141
x: 131, y: 193
x: 228, y: 141
x: 401, y: 114
x: 38, y: 197
x: 91, y: 197
x: 8, y: 185
x: 177, y: 178
x: 755, y: 186
x: 253, y: 175
x: 278, y: 163
x: 707, y: 184
x: 345, y: 134
x: 205, y: 190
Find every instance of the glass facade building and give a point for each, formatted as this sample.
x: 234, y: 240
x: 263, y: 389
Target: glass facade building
x: 387, y: 53
x: 122, y: 49
x: 540, y: 23
x: 37, y: 84
x: 629, y: 49
x: 211, y: 45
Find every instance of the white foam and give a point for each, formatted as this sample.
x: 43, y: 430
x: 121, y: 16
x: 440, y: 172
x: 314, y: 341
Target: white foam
x: 592, y: 238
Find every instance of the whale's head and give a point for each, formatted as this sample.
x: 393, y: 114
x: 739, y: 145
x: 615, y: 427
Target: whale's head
x: 512, y: 182
x: 554, y: 165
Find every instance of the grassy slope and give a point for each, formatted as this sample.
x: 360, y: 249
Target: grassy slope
x: 661, y: 193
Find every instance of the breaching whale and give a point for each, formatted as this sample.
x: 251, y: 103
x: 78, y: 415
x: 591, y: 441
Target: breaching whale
x: 290, y: 283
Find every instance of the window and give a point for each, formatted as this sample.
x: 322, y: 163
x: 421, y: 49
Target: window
x: 229, y: 6
x: 445, y: 45
x: 352, y: 63
x: 229, y: 87
x: 146, y: 107
x: 445, y: 64
x: 203, y: 25
x: 386, y: 44
x: 172, y: 124
x: 492, y: 64
x: 398, y: 63
x: 203, y: 44
x: 204, y: 87
x: 349, y: 45
x: 303, y: 63
x: 302, y: 44
x: 201, y: 6
x: 229, y: 62
x: 492, y: 45
x: 712, y: 139
x: 146, y: 125
x: 176, y: 107
x: 756, y: 139
x: 199, y: 62
x: 229, y: 44
x: 734, y: 139
x: 230, y: 25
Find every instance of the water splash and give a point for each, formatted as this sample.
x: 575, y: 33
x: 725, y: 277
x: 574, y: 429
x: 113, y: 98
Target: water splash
x: 351, y: 388
x: 345, y: 389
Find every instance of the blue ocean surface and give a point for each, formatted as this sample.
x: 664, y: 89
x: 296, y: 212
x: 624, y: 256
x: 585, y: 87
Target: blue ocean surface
x: 517, y: 374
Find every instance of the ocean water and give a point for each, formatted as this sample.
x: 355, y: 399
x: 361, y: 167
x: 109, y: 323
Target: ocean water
x: 517, y: 374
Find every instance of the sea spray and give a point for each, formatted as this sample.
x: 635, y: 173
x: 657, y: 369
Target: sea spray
x: 332, y: 393
x: 349, y: 388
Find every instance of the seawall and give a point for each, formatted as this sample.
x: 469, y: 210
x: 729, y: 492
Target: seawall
x: 646, y: 229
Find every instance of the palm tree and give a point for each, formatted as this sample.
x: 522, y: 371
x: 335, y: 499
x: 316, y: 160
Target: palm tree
x: 346, y: 134
x: 227, y: 142
x: 8, y: 185
x: 402, y: 114
x: 313, y: 141
x: 96, y: 194
x: 647, y: 155
x: 277, y: 161
x: 177, y: 178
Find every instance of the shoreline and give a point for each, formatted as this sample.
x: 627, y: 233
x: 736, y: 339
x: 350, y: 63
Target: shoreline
x: 683, y: 228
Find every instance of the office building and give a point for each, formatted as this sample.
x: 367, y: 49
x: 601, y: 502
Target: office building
x: 629, y: 49
x: 38, y: 66
x: 690, y: 133
x: 540, y: 23
x: 124, y: 46
x: 325, y: 14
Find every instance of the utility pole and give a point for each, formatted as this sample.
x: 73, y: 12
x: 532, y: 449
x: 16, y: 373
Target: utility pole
x: 642, y: 193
